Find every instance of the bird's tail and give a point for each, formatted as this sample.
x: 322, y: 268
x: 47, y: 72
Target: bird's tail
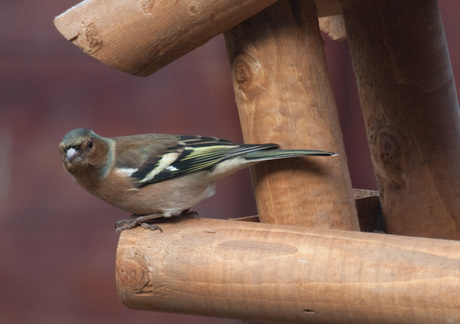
x: 283, y: 154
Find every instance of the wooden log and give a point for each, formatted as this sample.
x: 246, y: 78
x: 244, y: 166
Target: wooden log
x: 411, y: 112
x: 284, y: 96
x: 142, y: 36
x: 292, y: 274
x: 139, y: 37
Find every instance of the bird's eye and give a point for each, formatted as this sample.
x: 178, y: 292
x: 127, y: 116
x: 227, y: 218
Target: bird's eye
x: 90, y: 144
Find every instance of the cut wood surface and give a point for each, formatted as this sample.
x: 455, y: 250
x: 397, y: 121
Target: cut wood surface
x: 140, y: 37
x: 411, y: 112
x: 284, y: 96
x: 293, y: 274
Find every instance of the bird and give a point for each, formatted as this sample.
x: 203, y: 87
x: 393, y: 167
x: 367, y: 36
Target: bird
x: 158, y: 175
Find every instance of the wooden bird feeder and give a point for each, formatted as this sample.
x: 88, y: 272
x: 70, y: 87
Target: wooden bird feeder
x: 306, y: 260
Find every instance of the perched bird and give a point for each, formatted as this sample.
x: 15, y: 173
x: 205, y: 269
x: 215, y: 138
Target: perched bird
x: 158, y: 175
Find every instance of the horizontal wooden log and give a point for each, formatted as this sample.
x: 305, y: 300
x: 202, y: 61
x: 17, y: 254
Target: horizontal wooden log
x: 142, y: 36
x: 272, y: 272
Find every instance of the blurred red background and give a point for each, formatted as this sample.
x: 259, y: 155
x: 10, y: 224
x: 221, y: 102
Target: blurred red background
x: 57, y: 242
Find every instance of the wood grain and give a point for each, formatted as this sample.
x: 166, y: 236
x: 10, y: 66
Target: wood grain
x: 141, y: 36
x: 411, y: 112
x: 293, y: 274
x: 284, y: 96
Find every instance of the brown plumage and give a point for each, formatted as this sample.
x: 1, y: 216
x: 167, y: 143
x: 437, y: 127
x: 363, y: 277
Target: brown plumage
x: 158, y: 175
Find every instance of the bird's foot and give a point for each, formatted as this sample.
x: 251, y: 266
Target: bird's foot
x: 144, y: 221
x: 136, y: 220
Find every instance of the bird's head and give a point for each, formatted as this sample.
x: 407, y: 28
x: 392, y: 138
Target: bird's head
x: 81, y: 148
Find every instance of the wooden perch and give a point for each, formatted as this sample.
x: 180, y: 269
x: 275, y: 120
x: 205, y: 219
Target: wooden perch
x: 142, y: 36
x: 411, y: 111
x: 288, y: 273
x: 284, y: 96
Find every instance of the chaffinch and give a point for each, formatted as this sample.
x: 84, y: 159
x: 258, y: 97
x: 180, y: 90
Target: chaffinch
x: 158, y: 175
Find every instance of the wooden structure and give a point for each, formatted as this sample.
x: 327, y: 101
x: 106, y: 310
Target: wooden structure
x: 323, y: 270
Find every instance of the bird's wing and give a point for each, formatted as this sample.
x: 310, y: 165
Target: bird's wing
x: 184, y: 155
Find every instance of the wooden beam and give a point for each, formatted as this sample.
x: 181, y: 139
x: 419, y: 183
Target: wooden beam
x: 284, y: 96
x: 292, y: 274
x: 141, y: 36
x: 411, y: 112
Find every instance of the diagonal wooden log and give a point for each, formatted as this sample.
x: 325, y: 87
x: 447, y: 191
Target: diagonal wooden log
x: 411, y: 112
x: 142, y: 36
x: 284, y: 95
x: 139, y: 37
x: 292, y: 274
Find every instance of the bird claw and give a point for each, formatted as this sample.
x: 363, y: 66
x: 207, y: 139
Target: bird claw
x: 144, y: 220
x: 135, y: 220
x: 152, y: 227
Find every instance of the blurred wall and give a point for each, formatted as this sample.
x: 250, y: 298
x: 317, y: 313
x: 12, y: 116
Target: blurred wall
x: 57, y: 243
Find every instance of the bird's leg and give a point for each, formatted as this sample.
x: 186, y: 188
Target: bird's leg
x: 135, y: 220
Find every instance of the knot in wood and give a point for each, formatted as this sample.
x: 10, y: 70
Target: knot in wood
x: 247, y: 71
x: 132, y: 274
x: 390, y: 157
x: 93, y: 37
x: 195, y: 7
x: 147, y: 5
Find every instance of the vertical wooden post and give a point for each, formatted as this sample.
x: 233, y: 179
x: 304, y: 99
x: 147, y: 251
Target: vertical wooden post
x: 411, y: 112
x: 283, y: 94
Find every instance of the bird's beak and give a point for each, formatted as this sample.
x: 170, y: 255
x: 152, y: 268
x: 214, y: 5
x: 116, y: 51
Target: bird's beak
x: 73, y: 155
